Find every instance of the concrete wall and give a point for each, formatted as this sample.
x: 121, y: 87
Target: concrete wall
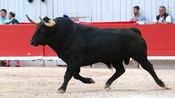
x: 95, y: 10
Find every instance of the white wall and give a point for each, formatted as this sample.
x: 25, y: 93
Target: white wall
x: 96, y: 10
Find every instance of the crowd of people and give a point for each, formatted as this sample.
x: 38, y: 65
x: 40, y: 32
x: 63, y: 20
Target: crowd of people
x: 8, y: 19
x: 162, y: 18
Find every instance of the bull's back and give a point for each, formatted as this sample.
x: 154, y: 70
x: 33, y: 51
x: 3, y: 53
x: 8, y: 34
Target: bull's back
x: 103, y: 44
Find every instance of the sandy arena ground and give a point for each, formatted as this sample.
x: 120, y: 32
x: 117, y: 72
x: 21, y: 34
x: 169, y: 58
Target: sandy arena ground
x: 43, y: 82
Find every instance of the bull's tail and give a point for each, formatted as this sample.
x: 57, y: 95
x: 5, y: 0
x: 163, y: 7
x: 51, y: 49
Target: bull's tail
x: 137, y: 31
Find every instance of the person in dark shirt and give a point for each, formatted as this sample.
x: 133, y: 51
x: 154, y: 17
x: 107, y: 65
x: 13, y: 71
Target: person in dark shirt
x: 12, y: 21
x: 12, y: 18
x: 163, y: 17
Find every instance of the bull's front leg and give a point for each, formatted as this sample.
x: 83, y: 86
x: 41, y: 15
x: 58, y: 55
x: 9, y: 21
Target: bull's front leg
x: 67, y: 77
x: 76, y: 75
x: 73, y: 71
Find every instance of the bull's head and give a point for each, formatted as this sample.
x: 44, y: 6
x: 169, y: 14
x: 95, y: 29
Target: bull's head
x: 44, y: 31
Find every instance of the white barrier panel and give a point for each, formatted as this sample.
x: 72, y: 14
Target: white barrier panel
x: 61, y: 62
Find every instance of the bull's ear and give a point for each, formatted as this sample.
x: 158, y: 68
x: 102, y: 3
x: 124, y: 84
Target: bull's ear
x: 46, y: 19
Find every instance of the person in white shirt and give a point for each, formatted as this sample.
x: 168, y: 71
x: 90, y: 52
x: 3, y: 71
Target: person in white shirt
x: 163, y: 17
x: 3, y: 16
x: 138, y: 18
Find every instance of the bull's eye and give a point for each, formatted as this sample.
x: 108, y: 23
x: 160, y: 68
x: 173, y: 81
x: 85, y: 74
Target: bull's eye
x: 42, y: 31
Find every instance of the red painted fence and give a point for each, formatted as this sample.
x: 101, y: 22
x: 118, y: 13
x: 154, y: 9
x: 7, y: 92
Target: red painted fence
x: 14, y: 39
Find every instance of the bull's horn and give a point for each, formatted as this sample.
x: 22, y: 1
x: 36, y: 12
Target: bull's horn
x: 51, y: 22
x: 36, y: 23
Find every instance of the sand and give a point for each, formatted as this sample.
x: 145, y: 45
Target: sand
x: 43, y: 82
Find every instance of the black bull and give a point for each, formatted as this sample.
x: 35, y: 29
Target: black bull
x: 80, y: 45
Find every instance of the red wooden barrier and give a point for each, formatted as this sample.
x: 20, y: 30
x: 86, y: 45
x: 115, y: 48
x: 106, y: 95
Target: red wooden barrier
x: 14, y: 39
x: 160, y: 39
x: 123, y: 22
x: 110, y: 24
x: 48, y: 51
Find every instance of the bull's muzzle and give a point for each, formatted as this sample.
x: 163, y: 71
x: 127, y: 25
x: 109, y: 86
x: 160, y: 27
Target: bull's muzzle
x: 33, y: 43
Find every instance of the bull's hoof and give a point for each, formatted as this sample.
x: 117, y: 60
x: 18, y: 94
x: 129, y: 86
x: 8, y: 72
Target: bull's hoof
x: 161, y: 84
x: 61, y: 90
x: 89, y: 81
x: 107, y: 86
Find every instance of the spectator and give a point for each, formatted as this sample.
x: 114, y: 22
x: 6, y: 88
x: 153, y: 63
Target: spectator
x: 12, y: 18
x: 3, y: 16
x: 137, y: 16
x: 3, y: 20
x: 163, y: 17
x: 12, y: 21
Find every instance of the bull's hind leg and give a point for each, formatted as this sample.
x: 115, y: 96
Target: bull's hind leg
x: 149, y: 67
x: 119, y: 71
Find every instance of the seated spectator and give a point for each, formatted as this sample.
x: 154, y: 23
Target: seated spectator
x: 12, y: 19
x: 3, y: 20
x: 137, y: 16
x: 3, y: 16
x: 163, y: 17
